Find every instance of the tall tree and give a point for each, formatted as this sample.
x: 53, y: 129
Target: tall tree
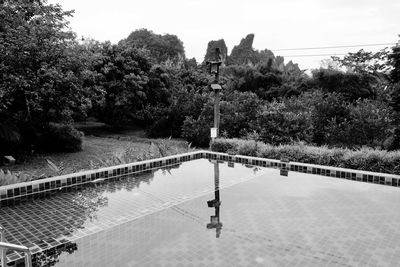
x: 163, y: 48
x: 41, y: 78
x: 394, y: 58
x: 375, y: 63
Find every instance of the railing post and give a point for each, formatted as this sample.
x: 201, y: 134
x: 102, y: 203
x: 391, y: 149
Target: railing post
x: 4, y: 246
x: 3, y: 250
x: 28, y: 259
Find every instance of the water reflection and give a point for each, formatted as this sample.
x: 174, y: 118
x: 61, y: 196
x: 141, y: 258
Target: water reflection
x: 215, y: 221
x: 83, y: 211
x: 51, y: 256
x: 50, y: 222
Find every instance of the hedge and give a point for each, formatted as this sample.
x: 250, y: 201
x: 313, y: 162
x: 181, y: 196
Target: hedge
x: 366, y: 159
x: 61, y: 138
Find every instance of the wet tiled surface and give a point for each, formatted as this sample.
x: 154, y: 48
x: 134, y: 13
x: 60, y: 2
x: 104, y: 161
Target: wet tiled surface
x: 23, y: 192
x: 50, y: 222
x: 267, y: 221
x: 162, y: 219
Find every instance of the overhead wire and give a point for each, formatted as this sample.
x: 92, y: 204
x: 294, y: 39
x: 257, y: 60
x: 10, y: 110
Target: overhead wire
x: 318, y: 55
x: 327, y: 47
x: 324, y: 55
x: 331, y: 47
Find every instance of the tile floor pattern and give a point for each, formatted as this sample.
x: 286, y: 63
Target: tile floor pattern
x: 265, y: 223
x: 65, y: 217
x: 268, y: 220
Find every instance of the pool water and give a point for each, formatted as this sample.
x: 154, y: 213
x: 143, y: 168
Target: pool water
x: 256, y: 218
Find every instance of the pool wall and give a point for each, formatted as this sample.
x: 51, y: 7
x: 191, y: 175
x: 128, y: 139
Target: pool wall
x: 12, y: 194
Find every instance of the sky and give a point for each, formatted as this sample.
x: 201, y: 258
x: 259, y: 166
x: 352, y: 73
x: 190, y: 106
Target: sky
x: 277, y: 24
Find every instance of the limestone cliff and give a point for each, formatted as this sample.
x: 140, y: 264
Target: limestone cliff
x: 244, y: 52
x: 211, y: 52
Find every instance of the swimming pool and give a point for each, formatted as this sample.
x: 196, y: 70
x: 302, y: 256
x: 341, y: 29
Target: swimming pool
x: 206, y: 212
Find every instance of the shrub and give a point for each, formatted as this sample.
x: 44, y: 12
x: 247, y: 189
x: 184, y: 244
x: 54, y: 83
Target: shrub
x: 10, y: 138
x: 369, y: 124
x: 284, y: 121
x: 351, y: 85
x: 6, y: 177
x: 196, y: 132
x: 61, y: 138
x: 225, y: 145
x: 330, y: 111
x: 238, y: 112
x: 366, y: 159
x: 161, y: 128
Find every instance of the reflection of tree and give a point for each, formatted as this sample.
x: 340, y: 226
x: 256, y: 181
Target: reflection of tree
x: 130, y: 182
x: 165, y: 170
x: 64, y: 213
x: 256, y: 169
x: 89, y: 200
x: 51, y: 256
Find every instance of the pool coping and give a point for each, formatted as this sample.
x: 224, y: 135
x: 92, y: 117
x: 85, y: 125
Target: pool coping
x: 27, y: 190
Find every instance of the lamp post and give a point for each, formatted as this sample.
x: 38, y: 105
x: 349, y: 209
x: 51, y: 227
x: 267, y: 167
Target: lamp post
x: 215, y: 220
x: 213, y: 68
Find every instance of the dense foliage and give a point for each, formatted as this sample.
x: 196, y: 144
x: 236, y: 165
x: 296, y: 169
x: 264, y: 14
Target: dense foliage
x: 163, y: 48
x: 49, y: 79
x: 366, y: 159
x: 42, y: 76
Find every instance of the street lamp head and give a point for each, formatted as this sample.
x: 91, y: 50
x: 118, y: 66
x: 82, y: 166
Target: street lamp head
x: 213, y: 66
x: 215, y: 87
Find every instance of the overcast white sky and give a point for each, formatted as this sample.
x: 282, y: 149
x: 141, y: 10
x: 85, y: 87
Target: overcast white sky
x: 275, y: 23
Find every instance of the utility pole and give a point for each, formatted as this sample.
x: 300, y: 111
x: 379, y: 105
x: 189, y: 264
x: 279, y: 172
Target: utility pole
x: 213, y: 68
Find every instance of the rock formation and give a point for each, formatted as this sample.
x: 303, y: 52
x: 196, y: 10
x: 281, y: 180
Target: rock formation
x: 211, y: 52
x: 244, y: 52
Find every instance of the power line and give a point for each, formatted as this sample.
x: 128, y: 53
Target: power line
x: 325, y: 55
x: 318, y: 55
x: 331, y: 47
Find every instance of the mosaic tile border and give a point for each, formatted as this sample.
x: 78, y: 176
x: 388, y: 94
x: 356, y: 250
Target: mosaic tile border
x: 44, y: 187
x: 335, y: 172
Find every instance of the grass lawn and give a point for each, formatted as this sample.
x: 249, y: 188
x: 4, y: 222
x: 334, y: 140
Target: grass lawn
x: 102, y: 150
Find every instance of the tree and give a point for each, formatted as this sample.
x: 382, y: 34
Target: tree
x: 375, y: 63
x: 188, y: 94
x: 41, y: 80
x: 286, y: 120
x: 163, y: 48
x: 351, y: 85
x: 394, y: 58
x: 125, y: 72
x: 238, y: 113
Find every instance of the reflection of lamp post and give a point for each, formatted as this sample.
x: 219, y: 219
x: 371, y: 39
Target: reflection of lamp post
x: 215, y: 203
x: 284, y: 169
x: 213, y: 68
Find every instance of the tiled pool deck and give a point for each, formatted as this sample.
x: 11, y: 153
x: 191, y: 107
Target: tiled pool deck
x: 276, y: 220
x: 319, y: 223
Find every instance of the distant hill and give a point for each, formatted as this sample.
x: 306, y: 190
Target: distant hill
x: 245, y: 54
